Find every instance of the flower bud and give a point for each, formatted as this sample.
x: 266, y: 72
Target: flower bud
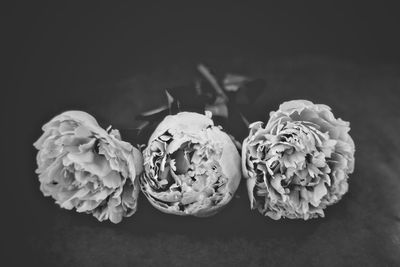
x: 191, y: 167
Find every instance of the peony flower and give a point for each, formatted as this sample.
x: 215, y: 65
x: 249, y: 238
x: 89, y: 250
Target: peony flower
x: 299, y: 163
x: 86, y: 168
x: 191, y: 167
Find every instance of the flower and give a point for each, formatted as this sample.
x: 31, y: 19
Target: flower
x: 191, y: 167
x: 82, y: 166
x: 299, y: 163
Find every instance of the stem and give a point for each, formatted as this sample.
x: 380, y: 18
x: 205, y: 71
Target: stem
x: 211, y: 79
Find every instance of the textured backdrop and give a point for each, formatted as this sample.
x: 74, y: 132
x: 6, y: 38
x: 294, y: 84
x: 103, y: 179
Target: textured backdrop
x: 95, y: 59
x: 362, y: 229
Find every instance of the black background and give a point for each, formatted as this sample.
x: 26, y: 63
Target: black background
x: 113, y: 61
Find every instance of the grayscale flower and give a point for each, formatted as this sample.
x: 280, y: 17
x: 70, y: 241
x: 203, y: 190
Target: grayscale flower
x: 191, y: 167
x: 86, y: 168
x: 299, y: 163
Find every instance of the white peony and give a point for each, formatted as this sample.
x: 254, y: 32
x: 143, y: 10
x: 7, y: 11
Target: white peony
x: 191, y: 167
x: 299, y: 163
x: 86, y: 168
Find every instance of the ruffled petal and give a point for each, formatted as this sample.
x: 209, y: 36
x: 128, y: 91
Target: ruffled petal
x: 87, y: 169
x: 191, y: 167
x: 299, y: 162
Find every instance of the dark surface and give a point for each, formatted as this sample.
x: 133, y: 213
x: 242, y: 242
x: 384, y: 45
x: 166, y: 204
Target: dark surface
x: 114, y: 62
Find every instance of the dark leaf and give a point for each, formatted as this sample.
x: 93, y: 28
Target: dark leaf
x: 229, y: 107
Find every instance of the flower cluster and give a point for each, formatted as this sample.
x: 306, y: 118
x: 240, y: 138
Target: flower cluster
x: 191, y: 167
x: 86, y: 168
x: 297, y: 164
